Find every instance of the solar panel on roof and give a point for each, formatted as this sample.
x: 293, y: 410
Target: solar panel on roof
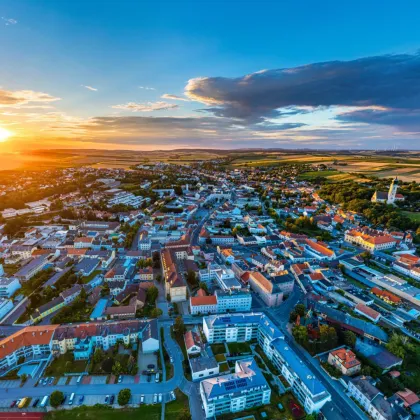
x: 241, y: 383
x: 230, y: 385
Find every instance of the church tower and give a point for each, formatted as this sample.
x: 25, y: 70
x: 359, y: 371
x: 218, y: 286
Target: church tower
x: 392, y: 191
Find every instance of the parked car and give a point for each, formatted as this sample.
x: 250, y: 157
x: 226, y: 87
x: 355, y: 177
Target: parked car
x: 106, y: 399
x: 13, y: 404
x: 120, y: 379
x: 81, y: 399
x: 149, y: 378
x: 173, y: 395
x: 160, y: 398
x: 151, y: 366
x: 155, y: 399
x: 51, y: 381
x: 141, y: 399
x: 35, y: 403
x: 112, y: 399
x: 172, y: 359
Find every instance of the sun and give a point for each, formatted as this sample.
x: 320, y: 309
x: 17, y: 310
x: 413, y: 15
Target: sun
x: 4, y: 134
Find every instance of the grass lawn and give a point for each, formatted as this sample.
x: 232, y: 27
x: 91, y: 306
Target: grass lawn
x: 218, y: 348
x: 149, y: 412
x: 223, y: 367
x: 65, y: 364
x: 175, y: 408
x: 87, y: 279
x: 239, y: 348
x: 220, y: 357
x: 412, y: 215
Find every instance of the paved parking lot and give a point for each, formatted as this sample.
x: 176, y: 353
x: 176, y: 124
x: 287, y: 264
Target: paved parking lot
x: 10, y: 383
x: 62, y: 380
x: 98, y: 380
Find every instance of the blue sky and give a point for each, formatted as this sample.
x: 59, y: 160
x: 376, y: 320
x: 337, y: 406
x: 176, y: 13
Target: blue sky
x: 203, y: 51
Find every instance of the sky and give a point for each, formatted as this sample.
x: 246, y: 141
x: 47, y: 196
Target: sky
x: 147, y: 75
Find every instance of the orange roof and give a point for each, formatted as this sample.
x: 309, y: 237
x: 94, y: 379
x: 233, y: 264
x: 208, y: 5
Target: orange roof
x: 262, y: 281
x: 203, y: 300
x: 74, y: 251
x: 84, y: 239
x: 191, y: 339
x: 409, y: 397
x: 29, y: 336
x: 347, y: 357
x: 371, y: 313
x: 385, y: 293
x: 320, y: 247
x: 316, y: 276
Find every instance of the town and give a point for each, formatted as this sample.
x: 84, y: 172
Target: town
x: 203, y: 290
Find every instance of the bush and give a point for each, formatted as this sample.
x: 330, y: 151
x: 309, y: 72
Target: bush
x: 56, y: 398
x: 124, y: 396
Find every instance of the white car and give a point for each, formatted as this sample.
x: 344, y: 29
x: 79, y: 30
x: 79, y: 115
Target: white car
x: 160, y: 398
x: 155, y: 399
x: 172, y: 395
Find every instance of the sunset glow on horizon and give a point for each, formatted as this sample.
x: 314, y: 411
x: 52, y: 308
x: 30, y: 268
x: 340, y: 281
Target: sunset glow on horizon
x: 134, y: 75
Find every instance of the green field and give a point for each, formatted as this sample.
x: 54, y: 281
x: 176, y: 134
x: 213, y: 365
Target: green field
x: 102, y: 412
x: 412, y: 216
x: 317, y: 174
x: 149, y: 412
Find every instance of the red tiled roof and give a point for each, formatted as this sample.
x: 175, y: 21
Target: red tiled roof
x: 203, y: 300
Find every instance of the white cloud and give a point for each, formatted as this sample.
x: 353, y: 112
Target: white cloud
x: 146, y: 107
x: 9, y: 21
x: 17, y: 98
x: 146, y: 88
x: 89, y: 87
x: 174, y: 97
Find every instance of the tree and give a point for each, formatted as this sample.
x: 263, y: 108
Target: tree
x: 179, y: 326
x: 300, y: 334
x: 24, y: 377
x: 184, y: 415
x: 152, y: 294
x: 396, y: 346
x: 349, y: 338
x: 159, y: 278
x: 191, y: 277
x: 98, y: 356
x: 124, y: 396
x: 105, y: 290
x: 203, y: 286
x: 56, y: 398
x: 117, y: 368
x: 156, y: 312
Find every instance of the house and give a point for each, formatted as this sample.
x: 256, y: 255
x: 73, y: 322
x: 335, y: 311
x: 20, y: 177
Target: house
x: 373, y: 401
x: 367, y: 312
x: 203, y: 367
x: 145, y: 274
x: 345, y: 361
x: 268, y: 291
x: 192, y: 342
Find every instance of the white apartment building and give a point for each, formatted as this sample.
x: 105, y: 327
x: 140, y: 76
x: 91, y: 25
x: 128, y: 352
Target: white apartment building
x: 8, y: 286
x: 239, y: 391
x: 248, y: 326
x: 126, y: 198
x: 5, y: 306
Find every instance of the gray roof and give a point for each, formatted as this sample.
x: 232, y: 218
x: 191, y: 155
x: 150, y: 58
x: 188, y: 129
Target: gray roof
x: 201, y: 363
x: 314, y: 386
x: 248, y: 376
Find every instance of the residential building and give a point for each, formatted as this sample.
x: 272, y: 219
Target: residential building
x: 203, y: 367
x: 5, y: 306
x: 32, y: 268
x: 244, y: 389
x: 249, y: 326
x: 8, y: 286
x: 345, y: 361
x: 373, y: 401
x: 267, y: 289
